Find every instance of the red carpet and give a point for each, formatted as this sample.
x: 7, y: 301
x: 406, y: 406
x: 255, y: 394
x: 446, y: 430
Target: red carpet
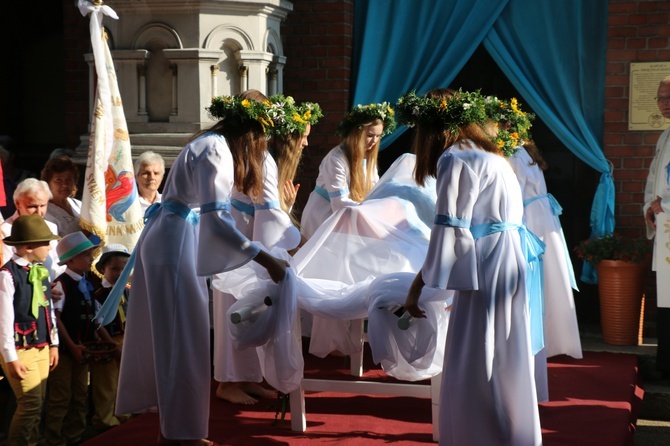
x: 595, y: 401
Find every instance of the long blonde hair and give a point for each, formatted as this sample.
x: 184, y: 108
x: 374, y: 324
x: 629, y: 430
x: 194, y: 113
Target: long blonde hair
x: 287, y: 152
x: 355, y: 149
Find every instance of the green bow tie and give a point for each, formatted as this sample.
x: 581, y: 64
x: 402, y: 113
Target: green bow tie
x: 36, y: 277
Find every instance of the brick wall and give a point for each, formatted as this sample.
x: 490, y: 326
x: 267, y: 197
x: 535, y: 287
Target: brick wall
x: 318, y: 38
x: 638, y: 31
x: 77, y: 41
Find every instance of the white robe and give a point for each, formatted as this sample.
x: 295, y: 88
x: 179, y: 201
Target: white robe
x: 561, y: 331
x: 658, y: 185
x: 387, y: 233
x: 165, y: 359
x: 334, y: 178
x: 488, y: 389
x: 268, y: 224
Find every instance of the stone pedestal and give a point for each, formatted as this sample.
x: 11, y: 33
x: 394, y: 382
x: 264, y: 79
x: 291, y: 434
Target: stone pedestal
x: 171, y: 57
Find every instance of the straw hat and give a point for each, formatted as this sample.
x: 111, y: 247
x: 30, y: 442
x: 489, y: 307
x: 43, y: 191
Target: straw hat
x: 29, y: 229
x: 116, y: 249
x: 72, y: 245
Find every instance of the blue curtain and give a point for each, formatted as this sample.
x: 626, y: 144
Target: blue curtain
x: 553, y: 52
x: 402, y: 45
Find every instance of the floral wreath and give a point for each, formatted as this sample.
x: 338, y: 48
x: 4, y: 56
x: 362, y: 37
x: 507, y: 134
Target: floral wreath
x: 241, y: 112
x: 462, y: 109
x: 363, y: 114
x: 289, y: 118
x: 517, y: 124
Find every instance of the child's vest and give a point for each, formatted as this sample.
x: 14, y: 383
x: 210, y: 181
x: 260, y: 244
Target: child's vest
x: 28, y: 330
x: 118, y: 325
x: 77, y: 314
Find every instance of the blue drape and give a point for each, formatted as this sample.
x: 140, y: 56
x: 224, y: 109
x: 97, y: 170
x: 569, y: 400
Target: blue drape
x: 553, y: 52
x: 402, y: 45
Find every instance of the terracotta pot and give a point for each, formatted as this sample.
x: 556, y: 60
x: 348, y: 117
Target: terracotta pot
x: 620, y: 286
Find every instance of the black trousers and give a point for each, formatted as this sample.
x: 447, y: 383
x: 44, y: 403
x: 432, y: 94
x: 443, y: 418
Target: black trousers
x: 663, y: 334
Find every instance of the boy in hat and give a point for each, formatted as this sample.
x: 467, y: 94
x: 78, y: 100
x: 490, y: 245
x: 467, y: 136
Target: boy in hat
x: 28, y: 336
x: 105, y: 376
x: 68, y: 385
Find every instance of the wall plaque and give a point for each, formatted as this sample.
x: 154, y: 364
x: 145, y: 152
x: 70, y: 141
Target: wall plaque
x: 643, y: 113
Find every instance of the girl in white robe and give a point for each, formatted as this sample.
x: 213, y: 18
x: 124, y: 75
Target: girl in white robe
x: 349, y: 171
x: 541, y: 211
x: 346, y: 175
x: 166, y: 356
x: 269, y: 222
x: 488, y: 390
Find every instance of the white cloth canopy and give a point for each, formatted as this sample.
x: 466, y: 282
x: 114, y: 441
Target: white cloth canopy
x: 358, y: 264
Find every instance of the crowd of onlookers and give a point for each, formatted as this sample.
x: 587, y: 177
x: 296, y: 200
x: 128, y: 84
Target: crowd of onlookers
x: 59, y: 367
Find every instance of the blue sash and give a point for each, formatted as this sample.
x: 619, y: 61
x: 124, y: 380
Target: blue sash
x: 108, y: 310
x: 558, y: 210
x: 532, y: 248
x: 215, y: 206
x: 555, y: 207
x: 243, y: 207
x: 327, y: 196
x: 447, y: 220
x: 250, y: 210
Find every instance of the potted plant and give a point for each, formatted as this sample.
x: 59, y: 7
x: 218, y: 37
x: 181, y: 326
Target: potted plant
x: 620, y: 263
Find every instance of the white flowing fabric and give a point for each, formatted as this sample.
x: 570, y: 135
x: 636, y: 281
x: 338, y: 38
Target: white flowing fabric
x: 333, y: 179
x: 488, y: 389
x: 413, y: 354
x: 268, y: 224
x: 165, y: 359
x: 385, y: 235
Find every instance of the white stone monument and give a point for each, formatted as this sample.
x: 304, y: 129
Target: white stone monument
x: 173, y: 56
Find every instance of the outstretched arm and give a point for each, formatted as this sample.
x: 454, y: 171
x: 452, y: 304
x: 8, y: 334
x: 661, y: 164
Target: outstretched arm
x: 412, y: 301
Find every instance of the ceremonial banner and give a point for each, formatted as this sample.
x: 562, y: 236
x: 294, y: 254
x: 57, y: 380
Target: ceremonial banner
x: 110, y: 207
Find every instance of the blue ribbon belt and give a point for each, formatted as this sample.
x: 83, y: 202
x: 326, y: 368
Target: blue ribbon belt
x: 447, y: 220
x: 532, y: 248
x: 558, y: 210
x: 243, y: 207
x: 327, y: 196
x: 555, y: 207
x: 108, y: 310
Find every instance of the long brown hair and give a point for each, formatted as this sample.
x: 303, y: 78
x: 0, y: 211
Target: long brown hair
x: 248, y: 145
x: 431, y: 141
x: 354, y: 147
x: 535, y: 154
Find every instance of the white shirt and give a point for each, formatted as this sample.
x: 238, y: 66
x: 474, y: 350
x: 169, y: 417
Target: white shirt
x: 144, y: 204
